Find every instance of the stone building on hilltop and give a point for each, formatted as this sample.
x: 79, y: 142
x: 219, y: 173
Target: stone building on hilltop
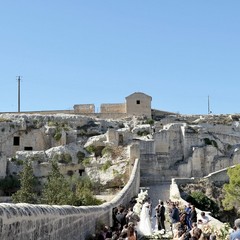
x: 137, y: 103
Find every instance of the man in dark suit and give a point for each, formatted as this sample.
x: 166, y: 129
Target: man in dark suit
x: 193, y: 215
x: 160, y: 214
x: 121, y: 217
x: 174, y: 215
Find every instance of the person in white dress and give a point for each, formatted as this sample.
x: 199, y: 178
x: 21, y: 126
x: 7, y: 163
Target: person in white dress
x: 145, y: 226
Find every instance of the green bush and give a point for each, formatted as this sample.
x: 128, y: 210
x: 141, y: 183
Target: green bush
x: 52, y: 124
x: 96, y: 150
x: 201, y: 201
x: 106, y: 165
x: 107, y: 150
x: 90, y: 149
x: 57, y: 136
x: 231, y: 190
x: 9, y: 184
x: 86, y: 161
x: 17, y: 161
x: 63, y: 158
x: 80, y: 156
x: 67, y: 158
x: 143, y: 133
x: 57, y: 190
x: 149, y: 121
x: 84, y: 193
x: 26, y: 193
x: 115, y: 172
x: 20, y: 162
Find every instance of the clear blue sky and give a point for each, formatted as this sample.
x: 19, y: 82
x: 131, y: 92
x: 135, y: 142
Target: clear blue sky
x: 100, y: 51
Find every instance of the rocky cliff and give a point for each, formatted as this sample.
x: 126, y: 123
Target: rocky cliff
x: 175, y: 145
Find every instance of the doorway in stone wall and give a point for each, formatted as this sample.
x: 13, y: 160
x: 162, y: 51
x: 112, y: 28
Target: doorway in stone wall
x: 120, y: 139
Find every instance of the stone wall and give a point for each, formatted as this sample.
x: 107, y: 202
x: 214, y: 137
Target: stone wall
x: 23, y: 138
x: 106, y: 115
x: 113, y: 108
x: 219, y: 176
x: 147, y: 147
x: 176, y: 196
x: 170, y: 141
x: 84, y: 108
x: 40, y: 222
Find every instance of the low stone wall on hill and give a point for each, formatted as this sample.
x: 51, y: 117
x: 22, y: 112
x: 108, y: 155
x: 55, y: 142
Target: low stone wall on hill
x: 39, y: 222
x: 220, y: 176
x: 176, y: 197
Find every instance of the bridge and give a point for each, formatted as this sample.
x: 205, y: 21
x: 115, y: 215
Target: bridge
x: 42, y: 222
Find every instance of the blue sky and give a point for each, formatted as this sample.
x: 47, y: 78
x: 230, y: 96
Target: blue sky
x: 72, y: 52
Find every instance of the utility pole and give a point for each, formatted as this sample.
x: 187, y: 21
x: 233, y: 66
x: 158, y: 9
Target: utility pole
x: 209, y: 111
x: 19, y: 80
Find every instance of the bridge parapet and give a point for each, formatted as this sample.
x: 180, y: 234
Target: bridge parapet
x: 176, y: 196
x: 39, y: 222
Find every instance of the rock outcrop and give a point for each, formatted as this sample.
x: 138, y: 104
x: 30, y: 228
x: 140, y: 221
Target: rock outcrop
x: 176, y: 145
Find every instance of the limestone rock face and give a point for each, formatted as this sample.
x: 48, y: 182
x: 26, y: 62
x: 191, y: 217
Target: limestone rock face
x: 109, y: 172
x: 64, y: 139
x: 142, y: 128
x: 176, y: 145
x: 96, y: 141
x: 202, y: 160
x: 236, y: 156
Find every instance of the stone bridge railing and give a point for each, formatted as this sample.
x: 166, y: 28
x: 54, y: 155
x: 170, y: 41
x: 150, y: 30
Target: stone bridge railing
x: 49, y: 222
x: 176, y: 196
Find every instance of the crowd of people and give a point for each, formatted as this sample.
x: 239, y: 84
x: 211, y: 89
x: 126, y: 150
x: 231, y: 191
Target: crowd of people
x: 124, y: 225
x: 186, y: 224
x: 183, y: 222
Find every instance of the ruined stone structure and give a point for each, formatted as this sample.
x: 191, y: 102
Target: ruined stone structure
x: 84, y: 108
x: 113, y: 108
x: 138, y: 104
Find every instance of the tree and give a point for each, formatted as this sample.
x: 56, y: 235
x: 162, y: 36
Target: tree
x: 57, y: 190
x: 232, y: 189
x: 9, y: 185
x: 84, y: 194
x: 26, y: 192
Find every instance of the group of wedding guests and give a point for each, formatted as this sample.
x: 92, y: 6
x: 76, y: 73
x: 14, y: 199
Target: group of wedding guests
x: 128, y: 225
x: 124, y: 225
x: 186, y: 224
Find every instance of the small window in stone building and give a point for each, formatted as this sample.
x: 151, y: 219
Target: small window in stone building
x: 16, y: 141
x: 81, y: 171
x: 138, y: 101
x: 28, y: 148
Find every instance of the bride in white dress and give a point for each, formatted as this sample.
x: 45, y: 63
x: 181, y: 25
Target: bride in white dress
x: 144, y: 225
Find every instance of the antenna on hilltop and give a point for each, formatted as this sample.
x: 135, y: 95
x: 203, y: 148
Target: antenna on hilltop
x: 209, y: 111
x: 19, y: 80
